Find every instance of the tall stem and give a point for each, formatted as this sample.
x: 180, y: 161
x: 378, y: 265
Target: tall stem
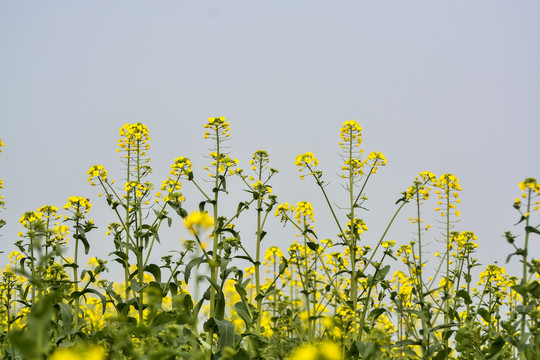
x: 76, y: 275
x: 524, y: 280
x: 353, y: 232
x: 213, y: 265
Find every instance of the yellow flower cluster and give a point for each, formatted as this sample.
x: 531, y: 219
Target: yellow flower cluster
x: 322, y: 351
x: 29, y: 217
x: 49, y: 211
x: 496, y: 281
x: 78, y: 204
x: 96, y: 171
x: 353, y: 165
x: 351, y: 131
x: 404, y: 286
x: 530, y: 183
x: 198, y: 220
x: 283, y: 209
x: 449, y: 185
x: 259, y: 161
x: 271, y: 254
x: 115, y: 227
x: 359, y: 226
x: 306, y: 161
x: 531, y: 189
x: 224, y: 164
x: 182, y: 166
x: 419, y: 185
x: 172, y: 187
x: 140, y: 189
x: 94, y: 352
x: 219, y: 127
x: 261, y: 188
x: 304, y: 212
x: 466, y: 241
x: 377, y: 159
x: 60, y: 233
x: 1, y: 145
x: 134, y: 137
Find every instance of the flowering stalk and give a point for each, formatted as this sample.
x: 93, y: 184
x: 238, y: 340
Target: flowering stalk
x: 449, y: 185
x: 78, y: 206
x: 260, y: 190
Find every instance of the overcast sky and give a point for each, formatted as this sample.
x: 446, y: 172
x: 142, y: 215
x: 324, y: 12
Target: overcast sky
x: 445, y: 86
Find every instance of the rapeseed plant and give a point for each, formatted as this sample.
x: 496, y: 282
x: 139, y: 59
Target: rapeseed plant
x: 331, y: 298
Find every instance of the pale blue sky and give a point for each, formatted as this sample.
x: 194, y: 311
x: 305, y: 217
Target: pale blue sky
x: 441, y: 86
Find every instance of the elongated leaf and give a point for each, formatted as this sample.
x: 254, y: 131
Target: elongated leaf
x: 244, y: 313
x: 225, y: 329
x: 375, y: 313
x: 194, y: 262
x: 484, y: 314
x: 154, y: 270
x: 92, y: 291
x: 65, y: 315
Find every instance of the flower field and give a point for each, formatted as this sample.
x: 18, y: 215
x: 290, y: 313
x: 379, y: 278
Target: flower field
x: 326, y: 299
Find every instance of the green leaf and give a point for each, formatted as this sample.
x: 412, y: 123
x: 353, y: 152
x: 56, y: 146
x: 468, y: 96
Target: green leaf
x: 95, y: 292
x: 82, y: 236
x: 225, y: 329
x: 283, y: 265
x: 375, y: 313
x: 154, y: 270
x: 465, y: 296
x: 194, y: 262
x: 531, y: 229
x: 520, y: 290
x: 244, y: 313
x: 534, y: 289
x: 241, y: 206
x: 65, y: 315
x: 495, y: 347
x: 220, y: 306
x: 313, y: 246
x: 484, y: 314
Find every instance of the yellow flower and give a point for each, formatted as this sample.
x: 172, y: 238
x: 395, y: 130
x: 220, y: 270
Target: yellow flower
x: 304, y: 211
x: 182, y: 166
x: 323, y: 351
x: 197, y: 220
x: 221, y: 129
x: 94, y: 352
x: 351, y: 130
x: 305, y: 352
x: 135, y: 137
x: 96, y: 171
x: 78, y: 203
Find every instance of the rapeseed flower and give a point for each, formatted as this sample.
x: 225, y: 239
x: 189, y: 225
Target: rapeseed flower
x: 97, y: 171
x: 197, y: 221
x: 219, y: 128
x: 135, y: 137
x: 181, y: 167
x: 306, y: 161
x: 94, y: 352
